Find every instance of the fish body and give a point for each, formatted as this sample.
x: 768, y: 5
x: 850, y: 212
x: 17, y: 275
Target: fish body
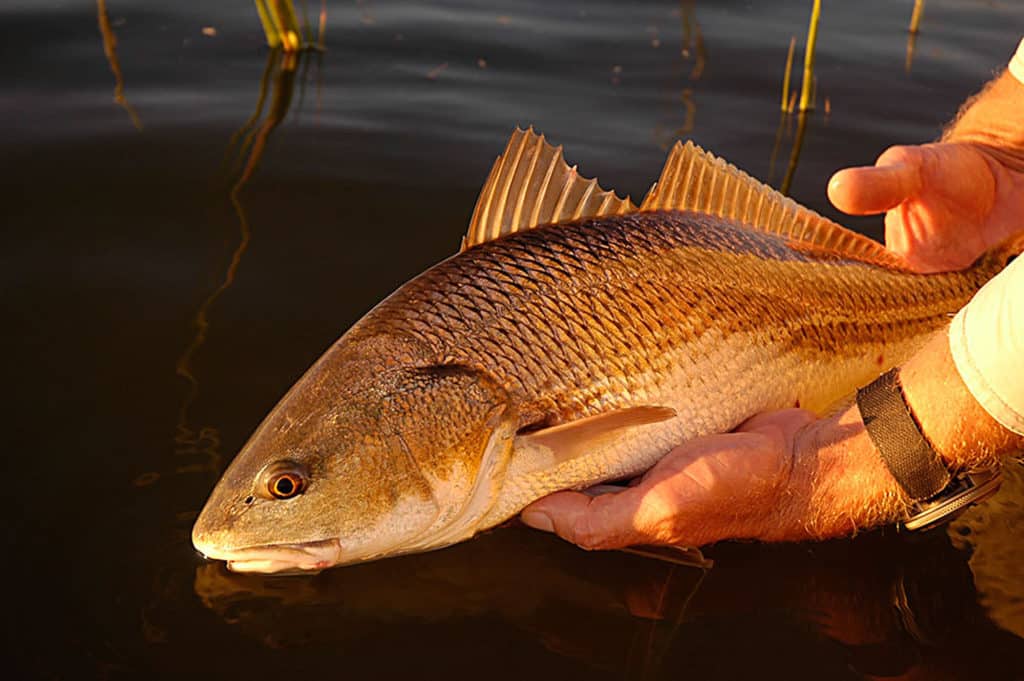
x: 676, y: 309
x: 558, y: 357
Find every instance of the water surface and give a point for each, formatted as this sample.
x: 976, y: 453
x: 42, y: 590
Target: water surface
x: 164, y: 286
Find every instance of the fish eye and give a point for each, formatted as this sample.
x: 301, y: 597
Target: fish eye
x: 285, y: 485
x: 284, y: 480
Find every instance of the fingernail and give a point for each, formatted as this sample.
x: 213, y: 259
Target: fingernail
x: 538, y: 521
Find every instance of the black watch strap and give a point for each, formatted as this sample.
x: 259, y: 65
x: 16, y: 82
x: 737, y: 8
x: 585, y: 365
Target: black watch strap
x: 904, y: 449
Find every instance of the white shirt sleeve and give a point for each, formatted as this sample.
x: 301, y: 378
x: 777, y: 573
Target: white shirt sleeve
x: 986, y: 339
x: 1017, y: 63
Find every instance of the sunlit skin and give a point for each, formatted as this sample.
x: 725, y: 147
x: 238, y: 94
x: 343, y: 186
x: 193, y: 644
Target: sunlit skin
x: 946, y: 203
x: 787, y: 475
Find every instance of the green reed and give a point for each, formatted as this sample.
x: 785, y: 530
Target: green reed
x: 282, y: 27
x: 915, y: 17
x: 807, y: 89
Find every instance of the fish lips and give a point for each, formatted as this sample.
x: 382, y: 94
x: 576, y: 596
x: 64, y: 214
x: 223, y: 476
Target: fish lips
x: 276, y: 558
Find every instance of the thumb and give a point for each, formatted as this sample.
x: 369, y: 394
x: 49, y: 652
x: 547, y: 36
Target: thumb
x: 607, y: 521
x: 895, y: 177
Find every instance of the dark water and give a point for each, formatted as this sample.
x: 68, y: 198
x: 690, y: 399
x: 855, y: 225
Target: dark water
x: 151, y: 322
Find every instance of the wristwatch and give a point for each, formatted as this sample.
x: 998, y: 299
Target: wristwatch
x: 937, y: 494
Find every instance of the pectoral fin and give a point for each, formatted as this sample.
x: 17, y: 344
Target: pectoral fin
x: 576, y: 438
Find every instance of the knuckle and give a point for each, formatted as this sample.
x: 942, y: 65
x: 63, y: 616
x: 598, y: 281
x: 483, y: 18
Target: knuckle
x: 899, y: 152
x: 661, y: 520
x: 585, y: 534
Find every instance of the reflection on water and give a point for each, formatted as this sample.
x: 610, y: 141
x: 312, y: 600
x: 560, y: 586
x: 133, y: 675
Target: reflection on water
x: 110, y: 49
x: 886, y: 607
x: 692, y: 49
x: 991, y: 532
x: 514, y: 576
x: 784, y: 131
x: 794, y: 154
x: 693, y: 39
x: 250, y: 140
x: 808, y: 101
x: 244, y: 152
x: 912, y: 31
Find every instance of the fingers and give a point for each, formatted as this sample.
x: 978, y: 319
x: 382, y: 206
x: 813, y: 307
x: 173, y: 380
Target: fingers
x: 605, y: 522
x: 704, y: 490
x: 894, y: 178
x: 787, y: 421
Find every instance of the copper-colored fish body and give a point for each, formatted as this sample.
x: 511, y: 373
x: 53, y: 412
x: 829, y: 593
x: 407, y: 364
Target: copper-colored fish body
x: 677, y: 309
x: 558, y: 356
x: 574, y: 319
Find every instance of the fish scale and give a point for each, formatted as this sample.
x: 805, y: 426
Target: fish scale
x: 556, y: 356
x: 748, y: 282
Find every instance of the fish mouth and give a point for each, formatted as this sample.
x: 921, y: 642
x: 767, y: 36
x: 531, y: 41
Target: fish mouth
x: 308, y: 557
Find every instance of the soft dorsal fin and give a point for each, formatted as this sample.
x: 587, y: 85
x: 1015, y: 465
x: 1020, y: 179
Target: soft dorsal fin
x: 530, y: 185
x: 693, y: 179
x: 577, y: 438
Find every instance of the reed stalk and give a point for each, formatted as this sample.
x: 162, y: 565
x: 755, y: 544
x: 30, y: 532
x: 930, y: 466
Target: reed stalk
x: 787, y: 76
x: 915, y: 17
x: 807, y: 86
x: 280, y: 24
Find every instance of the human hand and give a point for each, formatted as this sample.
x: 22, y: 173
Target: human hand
x: 947, y: 203
x: 783, y: 475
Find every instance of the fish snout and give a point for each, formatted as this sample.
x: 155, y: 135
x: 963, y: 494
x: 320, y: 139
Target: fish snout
x: 306, y: 557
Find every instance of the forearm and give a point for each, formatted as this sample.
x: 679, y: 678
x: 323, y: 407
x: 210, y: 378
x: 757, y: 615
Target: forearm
x: 960, y: 430
x: 994, y: 118
x: 838, y: 481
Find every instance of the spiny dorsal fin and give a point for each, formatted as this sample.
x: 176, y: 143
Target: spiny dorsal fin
x: 530, y: 185
x: 693, y: 179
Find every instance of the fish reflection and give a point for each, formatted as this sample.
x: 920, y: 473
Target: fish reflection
x: 631, y: 606
x: 884, y: 606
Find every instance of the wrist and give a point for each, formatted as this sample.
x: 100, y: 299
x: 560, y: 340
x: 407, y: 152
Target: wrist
x: 837, y: 483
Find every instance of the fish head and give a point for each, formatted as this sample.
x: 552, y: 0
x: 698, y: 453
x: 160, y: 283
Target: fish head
x: 362, y: 459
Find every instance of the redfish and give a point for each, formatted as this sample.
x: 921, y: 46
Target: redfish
x: 575, y: 339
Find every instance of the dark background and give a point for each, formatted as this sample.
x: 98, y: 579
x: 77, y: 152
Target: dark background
x: 138, y: 358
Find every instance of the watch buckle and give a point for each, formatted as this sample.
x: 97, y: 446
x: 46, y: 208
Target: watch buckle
x: 964, y: 490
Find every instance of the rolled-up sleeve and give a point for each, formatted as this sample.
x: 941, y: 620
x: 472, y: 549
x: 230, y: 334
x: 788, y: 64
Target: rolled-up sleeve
x: 1017, y: 63
x: 986, y: 339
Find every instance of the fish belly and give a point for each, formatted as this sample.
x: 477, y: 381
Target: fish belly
x: 734, y: 378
